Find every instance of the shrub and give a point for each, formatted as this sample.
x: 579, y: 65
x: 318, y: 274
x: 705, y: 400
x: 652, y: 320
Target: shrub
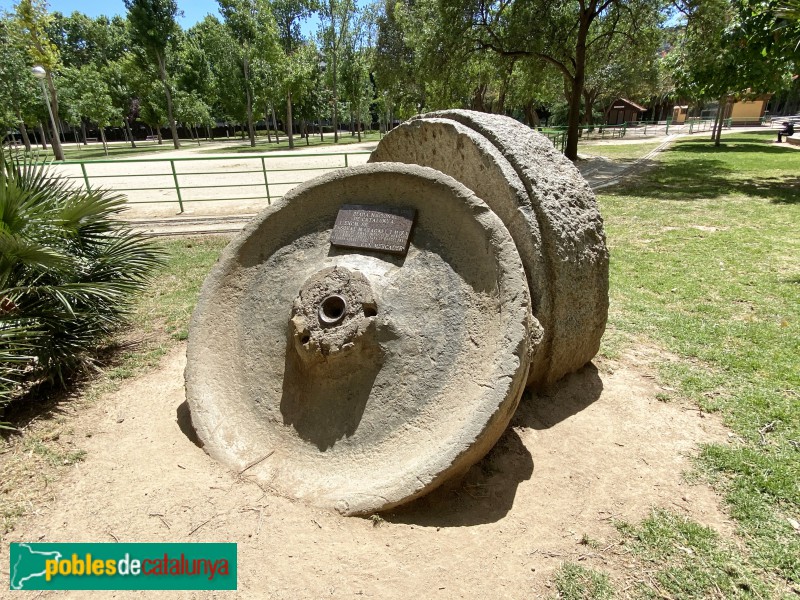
x: 68, y: 272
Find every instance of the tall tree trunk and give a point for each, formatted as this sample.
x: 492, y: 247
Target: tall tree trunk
x: 289, y: 129
x: 103, y: 138
x: 321, y: 133
x: 196, y: 134
x: 44, y: 137
x: 587, y: 109
x: 723, y: 113
x: 130, y: 132
x: 304, y: 129
x: 158, y: 134
x: 530, y: 115
x: 24, y: 132
x: 266, y: 120
x: 335, y: 102
x: 274, y: 123
x: 358, y: 121
x: 83, y: 132
x: 162, y: 74
x: 718, y: 121
x: 58, y: 151
x: 250, y: 128
x: 573, y: 121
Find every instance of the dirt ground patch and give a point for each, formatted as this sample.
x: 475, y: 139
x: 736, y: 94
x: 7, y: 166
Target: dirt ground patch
x: 598, y: 446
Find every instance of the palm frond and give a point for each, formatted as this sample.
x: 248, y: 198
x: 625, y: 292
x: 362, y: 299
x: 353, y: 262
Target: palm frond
x: 68, y: 273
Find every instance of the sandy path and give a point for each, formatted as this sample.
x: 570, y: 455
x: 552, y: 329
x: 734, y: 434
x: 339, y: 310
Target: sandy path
x: 209, y: 181
x: 596, y: 447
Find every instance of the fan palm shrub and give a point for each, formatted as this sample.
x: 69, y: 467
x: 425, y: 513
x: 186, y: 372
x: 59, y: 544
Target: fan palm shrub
x: 68, y: 273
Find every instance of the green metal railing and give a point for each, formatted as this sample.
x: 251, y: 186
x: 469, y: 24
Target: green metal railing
x: 557, y: 135
x: 93, y: 173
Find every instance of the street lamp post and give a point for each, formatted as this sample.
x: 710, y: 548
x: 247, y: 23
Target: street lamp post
x: 41, y: 75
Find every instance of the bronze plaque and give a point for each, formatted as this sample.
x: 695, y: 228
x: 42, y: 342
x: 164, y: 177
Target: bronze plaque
x: 384, y: 228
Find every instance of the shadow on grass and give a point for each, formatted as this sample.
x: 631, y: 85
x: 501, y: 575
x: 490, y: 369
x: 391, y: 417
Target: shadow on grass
x: 696, y: 179
x: 728, y: 146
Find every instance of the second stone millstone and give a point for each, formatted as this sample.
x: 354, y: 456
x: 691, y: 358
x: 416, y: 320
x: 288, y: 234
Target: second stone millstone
x: 547, y: 207
x: 363, y: 340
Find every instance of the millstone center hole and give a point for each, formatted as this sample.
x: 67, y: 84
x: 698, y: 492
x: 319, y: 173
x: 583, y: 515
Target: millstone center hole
x: 332, y: 309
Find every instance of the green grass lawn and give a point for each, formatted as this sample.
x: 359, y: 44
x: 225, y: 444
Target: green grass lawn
x: 618, y: 151
x: 233, y: 145
x: 705, y: 262
x: 262, y: 145
x: 94, y: 150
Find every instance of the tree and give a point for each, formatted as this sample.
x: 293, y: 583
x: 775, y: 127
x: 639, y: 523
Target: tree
x: 90, y: 99
x: 82, y: 40
x: 396, y: 77
x: 251, y: 25
x: 717, y: 59
x: 220, y: 52
x: 558, y: 32
x: 19, y: 92
x: 192, y: 111
x: 296, y: 80
x: 626, y: 66
x: 357, y: 56
x: 334, y: 16
x: 31, y: 24
x: 153, y: 29
x: 295, y: 67
x: 122, y: 95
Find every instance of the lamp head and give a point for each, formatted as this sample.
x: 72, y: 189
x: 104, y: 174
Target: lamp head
x: 39, y: 72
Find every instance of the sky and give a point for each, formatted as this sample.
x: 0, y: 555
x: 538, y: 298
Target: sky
x: 193, y: 10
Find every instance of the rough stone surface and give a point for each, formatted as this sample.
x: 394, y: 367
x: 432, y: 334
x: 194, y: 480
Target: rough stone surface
x: 410, y: 377
x: 549, y: 210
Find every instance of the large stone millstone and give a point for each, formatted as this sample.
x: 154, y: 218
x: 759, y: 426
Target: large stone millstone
x: 358, y: 379
x: 547, y: 207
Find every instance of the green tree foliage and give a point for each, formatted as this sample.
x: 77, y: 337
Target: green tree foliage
x: 335, y: 18
x: 68, y: 272
x: 251, y: 24
x: 723, y: 54
x: 297, y: 62
x: 20, y: 95
x: 31, y: 25
x: 627, y: 65
x: 219, y: 49
x: 90, y: 99
x: 561, y: 33
x: 82, y: 40
x: 192, y: 112
x: 153, y: 30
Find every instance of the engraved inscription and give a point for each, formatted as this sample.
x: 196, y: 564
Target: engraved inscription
x: 384, y: 228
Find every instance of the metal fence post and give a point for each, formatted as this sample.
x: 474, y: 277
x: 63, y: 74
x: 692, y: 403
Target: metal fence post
x: 266, y: 182
x: 345, y: 160
x: 177, y: 187
x: 85, y: 177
